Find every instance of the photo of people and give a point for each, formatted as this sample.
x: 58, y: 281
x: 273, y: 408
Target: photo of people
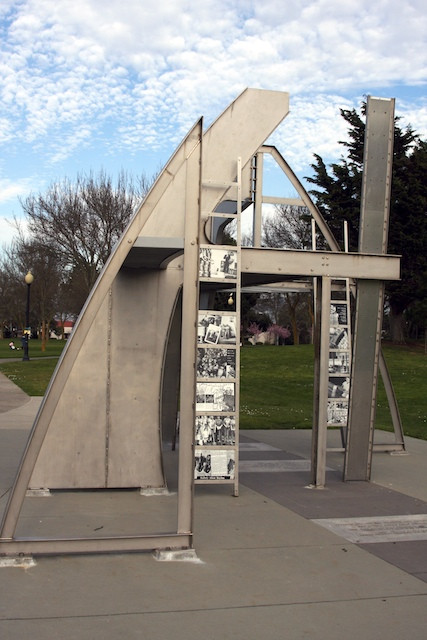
x: 215, y: 328
x: 218, y: 263
x: 215, y: 430
x: 337, y: 413
x: 216, y: 363
x: 213, y: 464
x: 215, y: 396
x: 339, y: 362
x: 338, y: 314
x: 338, y: 338
x: 339, y: 387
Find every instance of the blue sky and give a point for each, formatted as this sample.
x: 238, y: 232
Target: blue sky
x: 91, y: 84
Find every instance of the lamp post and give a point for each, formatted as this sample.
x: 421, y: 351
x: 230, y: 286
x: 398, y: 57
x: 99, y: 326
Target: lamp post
x: 29, y: 278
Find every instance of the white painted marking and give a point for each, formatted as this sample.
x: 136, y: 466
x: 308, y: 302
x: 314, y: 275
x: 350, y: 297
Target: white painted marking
x: 24, y: 562
x: 38, y: 493
x: 378, y: 529
x: 178, y: 555
x: 154, y: 491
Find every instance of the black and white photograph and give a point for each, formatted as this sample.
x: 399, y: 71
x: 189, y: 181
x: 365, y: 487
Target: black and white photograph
x: 337, y: 413
x: 218, y: 263
x: 215, y: 396
x: 338, y: 338
x: 339, y: 362
x: 339, y: 387
x: 215, y: 328
x: 213, y: 464
x: 338, y: 314
x: 338, y: 295
x: 215, y: 430
x: 216, y: 362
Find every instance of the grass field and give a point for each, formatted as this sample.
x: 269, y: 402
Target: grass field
x: 276, y: 384
x: 277, y: 388
x: 32, y: 376
x: 53, y: 348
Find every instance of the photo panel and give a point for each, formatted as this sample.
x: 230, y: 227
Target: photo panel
x: 339, y: 362
x: 215, y: 328
x: 215, y: 362
x: 337, y: 413
x: 338, y: 338
x: 215, y: 396
x: 339, y: 294
x: 218, y: 264
x: 339, y: 387
x: 338, y: 314
x: 215, y: 430
x: 214, y: 464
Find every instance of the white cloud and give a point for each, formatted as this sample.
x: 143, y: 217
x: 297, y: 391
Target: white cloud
x: 414, y: 114
x: 90, y: 73
x: 10, y: 190
x: 313, y: 126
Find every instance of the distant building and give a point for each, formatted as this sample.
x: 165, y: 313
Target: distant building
x: 63, y: 328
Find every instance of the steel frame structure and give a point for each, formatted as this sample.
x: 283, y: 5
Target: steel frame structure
x: 89, y: 432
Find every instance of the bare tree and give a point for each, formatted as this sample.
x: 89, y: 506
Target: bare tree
x: 41, y: 259
x: 290, y: 228
x: 11, y: 298
x: 82, y: 221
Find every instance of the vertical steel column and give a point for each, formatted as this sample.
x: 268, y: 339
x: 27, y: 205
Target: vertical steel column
x: 257, y: 217
x: 374, y: 216
x: 238, y: 320
x: 321, y: 379
x: 190, y: 305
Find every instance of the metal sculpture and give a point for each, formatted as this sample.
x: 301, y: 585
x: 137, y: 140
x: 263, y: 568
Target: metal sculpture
x: 132, y: 359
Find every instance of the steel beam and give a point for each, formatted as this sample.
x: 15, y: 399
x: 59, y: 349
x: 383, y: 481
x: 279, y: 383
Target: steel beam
x: 374, y: 217
x: 320, y: 263
x: 320, y: 427
x: 190, y: 304
x: 114, y: 544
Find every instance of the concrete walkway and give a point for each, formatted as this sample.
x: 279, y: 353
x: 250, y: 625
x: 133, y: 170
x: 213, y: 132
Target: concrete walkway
x: 282, y: 561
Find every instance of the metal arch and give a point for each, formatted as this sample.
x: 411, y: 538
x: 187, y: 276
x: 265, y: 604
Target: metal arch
x: 180, y: 181
x: 84, y: 324
x: 197, y: 169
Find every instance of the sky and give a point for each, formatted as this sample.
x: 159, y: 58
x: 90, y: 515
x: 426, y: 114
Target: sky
x: 87, y: 85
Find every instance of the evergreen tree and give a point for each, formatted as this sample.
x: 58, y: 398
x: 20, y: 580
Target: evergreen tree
x: 338, y: 198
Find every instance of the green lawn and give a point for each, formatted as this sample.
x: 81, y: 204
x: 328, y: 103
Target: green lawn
x: 53, y: 348
x: 32, y: 376
x: 408, y: 371
x: 277, y: 388
x: 276, y: 384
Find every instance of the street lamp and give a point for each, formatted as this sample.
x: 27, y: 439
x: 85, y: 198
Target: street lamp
x: 29, y: 278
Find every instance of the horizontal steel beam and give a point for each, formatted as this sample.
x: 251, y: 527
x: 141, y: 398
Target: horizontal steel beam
x: 67, y: 546
x: 280, y: 287
x: 296, y: 202
x: 320, y: 263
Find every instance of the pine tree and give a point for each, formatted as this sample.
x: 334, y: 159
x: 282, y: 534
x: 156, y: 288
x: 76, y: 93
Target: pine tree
x: 338, y: 198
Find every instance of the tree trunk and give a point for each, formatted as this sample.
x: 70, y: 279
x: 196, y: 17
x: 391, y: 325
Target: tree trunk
x: 292, y: 303
x: 397, y: 327
x: 294, y: 326
x: 44, y: 335
x: 311, y: 314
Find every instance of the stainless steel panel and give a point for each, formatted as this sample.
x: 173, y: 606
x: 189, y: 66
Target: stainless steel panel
x: 374, y: 215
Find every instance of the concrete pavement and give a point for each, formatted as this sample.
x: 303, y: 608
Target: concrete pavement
x: 280, y: 561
